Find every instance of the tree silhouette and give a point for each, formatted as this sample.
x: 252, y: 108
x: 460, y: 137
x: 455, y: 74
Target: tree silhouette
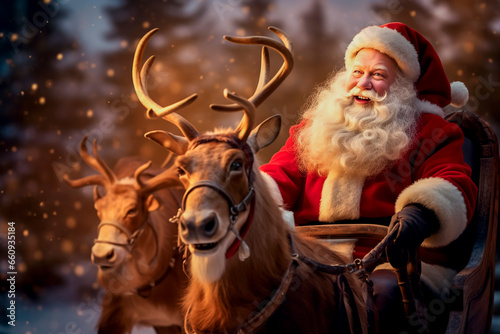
x: 179, y: 46
x: 41, y: 65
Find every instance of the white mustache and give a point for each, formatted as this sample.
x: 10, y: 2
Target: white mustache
x: 369, y: 94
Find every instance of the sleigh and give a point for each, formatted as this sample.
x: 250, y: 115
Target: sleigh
x: 471, y: 310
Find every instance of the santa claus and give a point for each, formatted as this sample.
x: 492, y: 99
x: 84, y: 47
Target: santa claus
x: 372, y: 146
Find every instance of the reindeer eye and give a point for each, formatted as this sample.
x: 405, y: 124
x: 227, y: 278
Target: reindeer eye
x: 132, y: 212
x: 181, y: 171
x: 236, y: 165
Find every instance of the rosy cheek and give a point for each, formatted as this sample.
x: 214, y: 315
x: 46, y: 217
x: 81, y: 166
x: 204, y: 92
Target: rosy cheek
x: 380, y: 89
x: 351, y: 84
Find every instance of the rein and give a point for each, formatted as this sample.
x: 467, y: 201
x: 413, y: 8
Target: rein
x: 260, y: 317
x: 347, y: 304
x: 141, y: 291
x: 358, y: 268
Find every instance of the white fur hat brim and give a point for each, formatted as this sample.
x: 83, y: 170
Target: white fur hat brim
x: 389, y: 42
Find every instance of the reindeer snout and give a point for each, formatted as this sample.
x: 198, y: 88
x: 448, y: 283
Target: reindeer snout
x: 103, y: 256
x: 192, y: 229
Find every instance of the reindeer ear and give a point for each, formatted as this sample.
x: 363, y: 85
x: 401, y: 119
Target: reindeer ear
x: 265, y: 133
x: 171, y: 142
x: 97, y: 195
x: 152, y: 204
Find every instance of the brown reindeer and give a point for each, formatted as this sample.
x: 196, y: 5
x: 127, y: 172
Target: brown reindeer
x: 135, y: 250
x: 273, y: 285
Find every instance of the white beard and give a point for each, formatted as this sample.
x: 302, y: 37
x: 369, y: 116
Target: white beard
x: 347, y: 142
x: 346, y: 138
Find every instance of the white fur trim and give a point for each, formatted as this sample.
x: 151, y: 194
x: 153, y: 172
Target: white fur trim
x: 459, y: 94
x: 447, y: 203
x: 288, y: 218
x: 276, y: 194
x: 273, y: 188
x: 340, y: 197
x: 389, y: 42
x: 438, y: 278
x: 428, y: 107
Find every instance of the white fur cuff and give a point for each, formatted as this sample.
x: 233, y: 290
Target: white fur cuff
x: 445, y: 200
x: 276, y: 194
x: 273, y: 188
x: 436, y: 277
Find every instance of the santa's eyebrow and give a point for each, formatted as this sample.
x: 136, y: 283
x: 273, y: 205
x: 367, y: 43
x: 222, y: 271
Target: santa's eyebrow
x: 375, y: 68
x: 380, y: 67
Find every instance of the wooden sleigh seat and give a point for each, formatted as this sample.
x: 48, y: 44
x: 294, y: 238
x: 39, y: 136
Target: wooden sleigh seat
x: 471, y: 311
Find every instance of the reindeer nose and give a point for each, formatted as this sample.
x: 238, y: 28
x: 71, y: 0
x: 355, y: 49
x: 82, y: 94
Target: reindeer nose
x: 209, y: 226
x: 103, y: 257
x: 205, y: 228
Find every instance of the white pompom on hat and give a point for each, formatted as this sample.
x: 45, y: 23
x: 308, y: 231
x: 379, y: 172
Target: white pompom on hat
x: 459, y: 94
x: 417, y: 60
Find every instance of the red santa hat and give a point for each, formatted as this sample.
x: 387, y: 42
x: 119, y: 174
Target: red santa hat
x: 416, y: 59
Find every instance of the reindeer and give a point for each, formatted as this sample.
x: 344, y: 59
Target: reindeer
x: 135, y: 251
x: 273, y: 285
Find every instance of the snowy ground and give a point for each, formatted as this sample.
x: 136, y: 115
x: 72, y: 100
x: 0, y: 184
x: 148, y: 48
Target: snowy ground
x: 56, y: 318
x: 61, y: 310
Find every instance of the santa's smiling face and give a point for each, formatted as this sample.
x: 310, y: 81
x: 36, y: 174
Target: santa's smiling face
x: 343, y: 135
x: 371, y: 71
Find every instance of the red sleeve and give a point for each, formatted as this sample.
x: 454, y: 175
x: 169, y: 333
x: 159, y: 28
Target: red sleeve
x: 443, y: 181
x: 283, y: 168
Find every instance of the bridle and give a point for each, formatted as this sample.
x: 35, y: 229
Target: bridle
x: 131, y: 237
x: 234, y: 209
x: 129, y: 246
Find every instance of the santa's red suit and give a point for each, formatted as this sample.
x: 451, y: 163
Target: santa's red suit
x: 432, y: 172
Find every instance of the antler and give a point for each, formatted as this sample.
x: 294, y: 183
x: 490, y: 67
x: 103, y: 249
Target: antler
x: 264, y: 87
x: 168, y: 113
x: 106, y: 177
x: 165, y: 179
x: 246, y: 125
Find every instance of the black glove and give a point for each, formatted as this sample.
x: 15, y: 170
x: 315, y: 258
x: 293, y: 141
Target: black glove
x: 416, y: 223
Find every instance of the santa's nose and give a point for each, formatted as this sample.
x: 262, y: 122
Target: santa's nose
x: 364, y: 83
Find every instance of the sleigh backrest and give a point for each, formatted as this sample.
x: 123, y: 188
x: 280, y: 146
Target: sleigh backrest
x: 472, y: 311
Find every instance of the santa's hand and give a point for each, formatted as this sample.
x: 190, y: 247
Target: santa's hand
x: 416, y: 223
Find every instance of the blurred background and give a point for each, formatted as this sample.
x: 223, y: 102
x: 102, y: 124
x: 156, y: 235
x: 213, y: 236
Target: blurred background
x: 65, y: 72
